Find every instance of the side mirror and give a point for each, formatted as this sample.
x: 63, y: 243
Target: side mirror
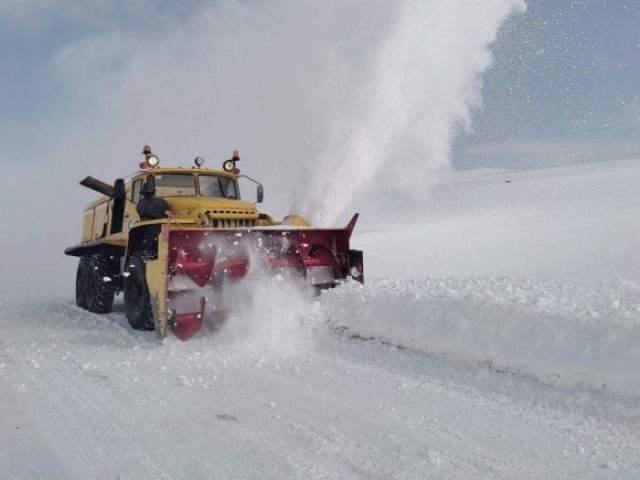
x: 260, y: 194
x: 119, y: 192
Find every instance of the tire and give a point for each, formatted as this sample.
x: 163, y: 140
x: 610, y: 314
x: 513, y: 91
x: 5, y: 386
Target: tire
x: 137, y: 301
x: 81, y: 281
x: 100, y: 293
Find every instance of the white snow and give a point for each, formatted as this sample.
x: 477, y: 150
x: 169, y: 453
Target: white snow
x: 583, y: 333
x: 578, y: 221
x: 491, y: 359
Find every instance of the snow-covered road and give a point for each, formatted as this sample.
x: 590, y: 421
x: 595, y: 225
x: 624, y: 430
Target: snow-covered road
x: 496, y: 337
x: 86, y: 397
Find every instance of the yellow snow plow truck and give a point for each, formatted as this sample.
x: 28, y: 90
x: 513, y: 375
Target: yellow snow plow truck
x: 174, y: 239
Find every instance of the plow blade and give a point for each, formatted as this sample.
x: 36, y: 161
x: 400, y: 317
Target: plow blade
x: 194, y: 267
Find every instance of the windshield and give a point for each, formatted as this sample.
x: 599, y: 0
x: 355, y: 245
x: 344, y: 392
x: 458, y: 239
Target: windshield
x: 175, y: 185
x: 217, y: 186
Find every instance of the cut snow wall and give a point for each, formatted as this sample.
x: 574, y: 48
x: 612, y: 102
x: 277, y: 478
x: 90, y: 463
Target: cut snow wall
x: 570, y: 333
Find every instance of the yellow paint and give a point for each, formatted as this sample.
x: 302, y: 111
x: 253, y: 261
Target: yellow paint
x: 99, y: 221
x: 157, y: 273
x: 295, y: 221
x: 87, y: 225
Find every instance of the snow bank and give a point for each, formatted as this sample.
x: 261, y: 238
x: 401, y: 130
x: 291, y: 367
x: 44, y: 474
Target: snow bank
x: 560, y: 331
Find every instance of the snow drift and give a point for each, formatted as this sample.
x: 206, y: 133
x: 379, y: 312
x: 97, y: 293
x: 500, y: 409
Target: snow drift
x: 562, y: 332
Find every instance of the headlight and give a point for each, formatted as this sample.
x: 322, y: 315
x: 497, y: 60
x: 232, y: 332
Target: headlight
x: 153, y: 161
x: 199, y: 161
x: 229, y: 166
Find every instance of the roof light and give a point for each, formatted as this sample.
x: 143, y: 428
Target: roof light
x: 199, y: 161
x: 230, y: 165
x: 152, y: 160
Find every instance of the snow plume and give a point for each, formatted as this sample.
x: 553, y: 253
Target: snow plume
x: 318, y: 96
x: 420, y: 85
x: 323, y: 96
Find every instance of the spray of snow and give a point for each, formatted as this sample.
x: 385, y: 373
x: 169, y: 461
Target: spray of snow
x: 307, y: 90
x: 271, y: 317
x: 270, y: 312
x: 421, y: 85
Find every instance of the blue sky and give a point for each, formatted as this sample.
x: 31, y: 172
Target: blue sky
x: 569, y: 68
x: 566, y: 74
x: 564, y: 71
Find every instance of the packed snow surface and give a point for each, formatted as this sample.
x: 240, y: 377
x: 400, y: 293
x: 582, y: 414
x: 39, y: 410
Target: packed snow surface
x: 522, y: 370
x: 84, y: 396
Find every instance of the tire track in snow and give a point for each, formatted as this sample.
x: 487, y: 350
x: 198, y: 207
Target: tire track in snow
x: 332, y: 421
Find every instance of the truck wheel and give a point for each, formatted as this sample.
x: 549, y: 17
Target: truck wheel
x: 101, y: 288
x: 81, y: 281
x: 137, y: 301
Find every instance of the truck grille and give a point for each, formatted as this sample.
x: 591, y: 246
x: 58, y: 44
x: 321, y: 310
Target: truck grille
x: 215, y: 222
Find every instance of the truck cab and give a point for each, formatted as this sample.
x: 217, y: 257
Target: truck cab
x: 201, y: 197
